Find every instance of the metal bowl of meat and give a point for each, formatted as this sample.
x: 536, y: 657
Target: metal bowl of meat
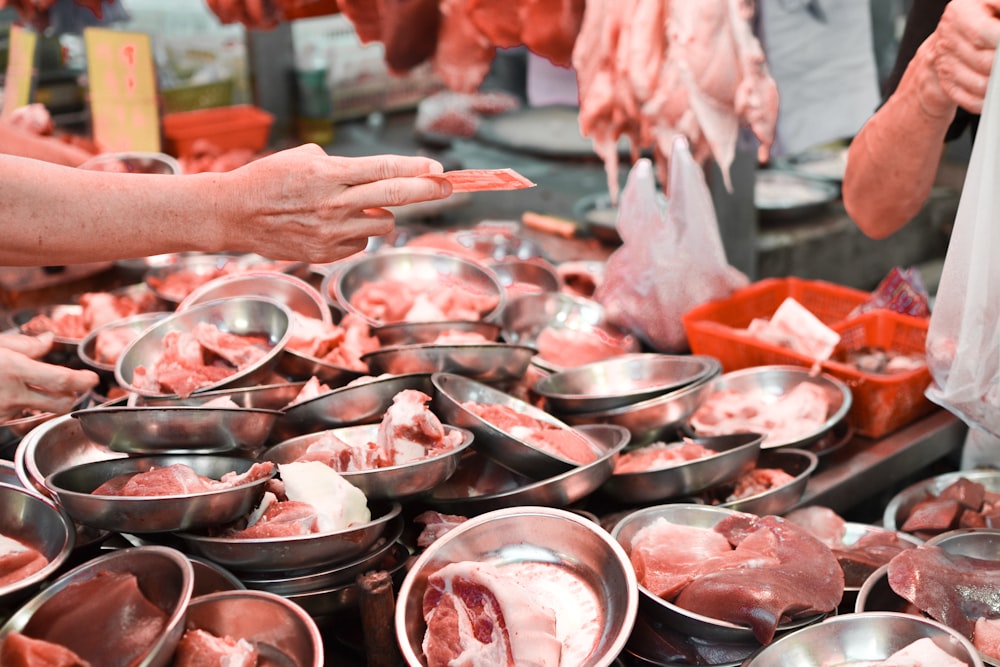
x: 568, y: 331
x: 773, y: 486
x: 274, y: 629
x: 390, y: 482
x: 937, y: 518
x: 13, y: 430
x: 41, y: 530
x: 8, y: 475
x: 63, y: 320
x: 487, y: 362
x: 416, y: 285
x: 564, y: 584
x: 719, y: 608
x: 330, y: 574
x: 526, y: 276
x: 361, y: 402
x: 220, y: 344
x: 284, y: 553
x: 145, y: 589
x: 276, y: 396
x: 100, y: 349
x: 424, y: 333
x: 178, y: 275
x: 134, y: 162
x: 498, y: 244
x: 581, y: 278
x: 178, y: 429
x: 790, y: 405
x: 482, y: 485
x: 297, y: 294
x: 657, y: 472
x: 868, y: 638
x: 511, y: 431
x: 176, y: 499
x: 655, y: 418
x: 619, y: 381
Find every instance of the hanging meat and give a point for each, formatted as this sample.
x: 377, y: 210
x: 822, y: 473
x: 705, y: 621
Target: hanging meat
x: 650, y: 70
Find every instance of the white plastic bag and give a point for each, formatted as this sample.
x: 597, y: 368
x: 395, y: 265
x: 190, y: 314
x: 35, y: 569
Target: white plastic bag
x: 963, y: 340
x: 671, y: 258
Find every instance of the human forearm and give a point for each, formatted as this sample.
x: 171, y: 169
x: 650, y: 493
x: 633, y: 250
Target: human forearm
x: 893, y: 161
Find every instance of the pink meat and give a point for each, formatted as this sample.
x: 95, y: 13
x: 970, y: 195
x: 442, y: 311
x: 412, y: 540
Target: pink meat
x: 660, y: 455
x: 239, y: 350
x: 478, y: 617
x: 549, y: 28
x: 435, y: 525
x: 464, y: 54
x: 760, y: 593
x: 110, y: 343
x: 19, y: 563
x: 178, y: 479
x: 560, y: 441
x: 285, y: 518
x: 18, y: 650
x: 409, y: 431
x: 342, y: 456
x: 199, y: 648
x: 567, y: 348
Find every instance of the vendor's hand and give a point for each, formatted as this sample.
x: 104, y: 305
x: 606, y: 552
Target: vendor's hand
x: 29, y: 384
x: 302, y: 204
x: 962, y: 50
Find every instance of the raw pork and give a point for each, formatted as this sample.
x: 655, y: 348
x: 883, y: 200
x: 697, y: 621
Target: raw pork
x: 338, y: 344
x: 563, y: 442
x: 567, y: 347
x: 95, y: 310
x: 19, y: 650
x: 477, y: 616
x: 199, y: 648
x: 661, y: 455
x: 179, y: 479
x: 18, y: 560
x: 436, y: 525
x: 417, y: 300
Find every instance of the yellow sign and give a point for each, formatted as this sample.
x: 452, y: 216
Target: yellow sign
x: 20, y: 69
x: 122, y: 82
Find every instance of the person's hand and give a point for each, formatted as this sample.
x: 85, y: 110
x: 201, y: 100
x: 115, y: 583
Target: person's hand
x: 302, y: 204
x: 29, y: 384
x: 962, y: 49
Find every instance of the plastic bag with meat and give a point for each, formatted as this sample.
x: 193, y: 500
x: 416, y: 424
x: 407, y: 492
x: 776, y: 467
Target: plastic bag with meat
x: 671, y: 258
x: 963, y: 338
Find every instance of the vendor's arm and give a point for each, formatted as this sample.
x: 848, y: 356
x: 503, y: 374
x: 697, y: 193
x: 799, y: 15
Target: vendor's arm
x: 298, y: 204
x: 893, y: 161
x: 18, y: 141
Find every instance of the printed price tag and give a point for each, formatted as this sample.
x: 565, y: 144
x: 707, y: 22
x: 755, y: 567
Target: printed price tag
x: 20, y: 69
x: 123, y: 104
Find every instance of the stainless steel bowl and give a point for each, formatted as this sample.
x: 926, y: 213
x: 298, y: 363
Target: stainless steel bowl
x: 297, y: 294
x: 269, y: 554
x: 526, y: 276
x: 498, y: 244
x: 212, y: 578
x: 261, y: 397
x: 134, y: 162
x: 164, y: 576
x: 177, y: 429
x: 657, y: 609
x: 411, y: 265
x: 327, y: 576
x: 298, y: 366
x: 623, y: 380
x: 8, y: 475
x: 362, y: 403
x: 901, y: 504
x: 860, y: 638
x: 776, y: 381
x: 13, y: 430
x: 655, y: 418
x: 798, y: 463
x: 482, y: 485
x: 36, y: 522
x: 240, y: 316
x: 452, y: 391
x: 487, y: 362
x: 572, y: 546
x: 389, y: 483
x: 414, y: 333
x: 527, y: 315
x: 64, y: 348
x: 282, y: 632
x: 734, y: 454
x: 202, y: 268
x: 134, y: 325
x: 152, y: 514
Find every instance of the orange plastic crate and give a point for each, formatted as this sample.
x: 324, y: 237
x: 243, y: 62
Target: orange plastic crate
x: 715, y: 328
x: 227, y: 128
x: 882, y: 403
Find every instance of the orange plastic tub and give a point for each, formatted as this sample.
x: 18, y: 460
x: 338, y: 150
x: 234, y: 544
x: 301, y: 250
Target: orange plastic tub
x: 229, y: 127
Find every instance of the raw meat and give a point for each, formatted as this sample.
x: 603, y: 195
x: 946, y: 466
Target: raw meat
x: 654, y: 69
x: 341, y: 345
x: 923, y: 652
x: 18, y: 560
x: 793, y: 326
x: 199, y: 648
x: 409, y: 31
x: 476, y: 616
x: 568, y: 347
x: 986, y: 637
x: 782, y: 419
x: 280, y: 519
x: 757, y: 481
x: 95, y: 310
x: 661, y: 455
x: 310, y: 390
x: 110, y: 343
x: 338, y: 504
x: 417, y: 300
x: 436, y: 525
x: 962, y: 504
x: 559, y: 441
x: 463, y: 55
x: 179, y: 480
x: 18, y: 650
x: 87, y: 618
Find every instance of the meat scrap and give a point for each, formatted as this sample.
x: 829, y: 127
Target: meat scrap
x: 962, y: 504
x: 436, y: 525
x: 199, y: 647
x: 337, y: 344
x: 94, y: 310
x: 416, y: 300
x: 651, y: 70
x: 563, y: 442
x: 568, y: 347
x: 661, y: 455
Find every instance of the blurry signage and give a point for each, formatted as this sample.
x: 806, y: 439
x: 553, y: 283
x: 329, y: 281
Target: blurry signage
x: 20, y: 69
x: 122, y: 81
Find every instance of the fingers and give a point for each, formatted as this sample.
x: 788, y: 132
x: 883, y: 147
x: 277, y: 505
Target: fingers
x: 29, y: 384
x: 35, y: 347
x: 397, y: 192
x: 381, y: 167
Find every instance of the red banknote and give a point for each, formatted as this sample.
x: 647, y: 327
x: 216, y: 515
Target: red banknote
x: 476, y: 180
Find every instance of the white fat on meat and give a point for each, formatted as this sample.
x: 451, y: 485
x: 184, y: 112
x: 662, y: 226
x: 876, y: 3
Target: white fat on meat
x: 923, y: 652
x: 783, y: 418
x: 793, y: 326
x: 410, y: 431
x: 338, y: 503
x: 505, y: 624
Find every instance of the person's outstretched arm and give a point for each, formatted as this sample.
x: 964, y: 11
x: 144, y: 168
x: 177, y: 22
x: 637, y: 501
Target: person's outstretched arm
x: 893, y: 160
x: 297, y: 204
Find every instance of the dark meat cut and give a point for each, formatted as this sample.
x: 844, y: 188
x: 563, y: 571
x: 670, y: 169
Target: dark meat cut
x: 476, y: 616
